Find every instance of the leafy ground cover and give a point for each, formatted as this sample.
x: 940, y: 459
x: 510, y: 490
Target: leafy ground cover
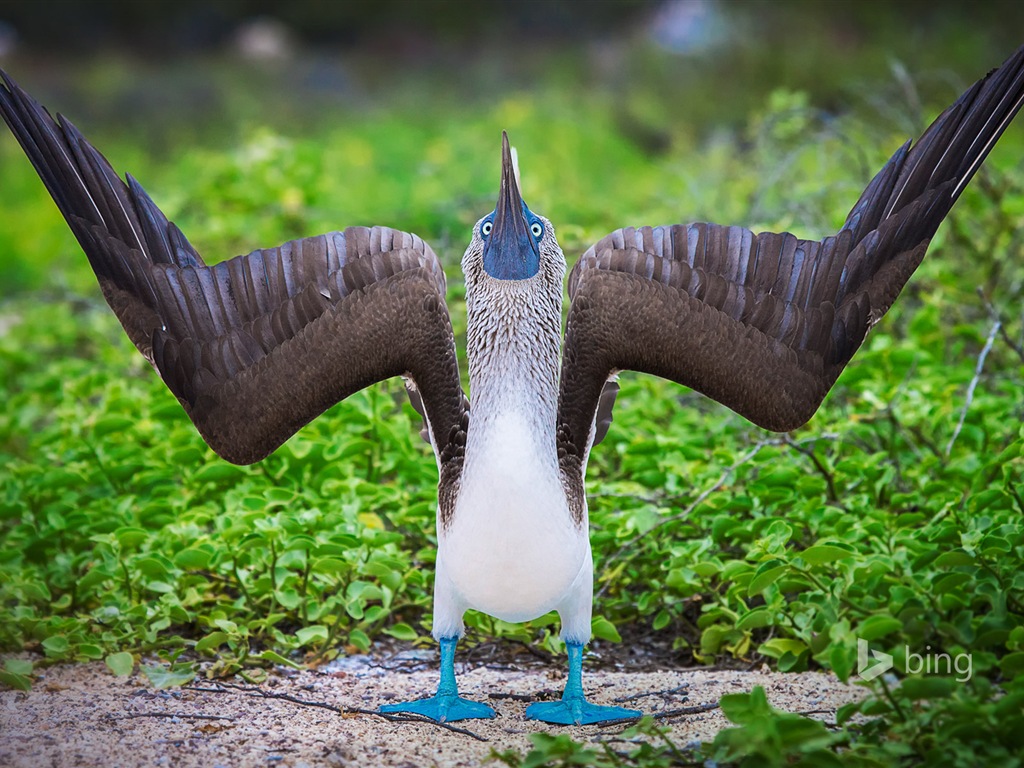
x: 894, y: 517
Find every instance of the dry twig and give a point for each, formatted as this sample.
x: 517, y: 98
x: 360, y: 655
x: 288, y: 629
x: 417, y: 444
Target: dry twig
x: 666, y: 715
x: 403, y: 717
x: 996, y: 325
x: 666, y: 692
x: 181, y: 715
x: 997, y: 317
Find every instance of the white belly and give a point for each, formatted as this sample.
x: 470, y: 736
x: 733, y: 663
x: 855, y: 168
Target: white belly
x: 512, y: 549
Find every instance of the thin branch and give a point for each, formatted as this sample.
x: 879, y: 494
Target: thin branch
x: 996, y: 325
x: 830, y: 483
x: 689, y: 510
x: 399, y: 717
x: 181, y: 715
x: 526, y: 697
x: 664, y: 499
x: 666, y: 692
x: 998, y: 318
x: 807, y: 712
x: 666, y: 715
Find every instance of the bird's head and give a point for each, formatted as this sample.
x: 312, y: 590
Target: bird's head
x: 512, y: 243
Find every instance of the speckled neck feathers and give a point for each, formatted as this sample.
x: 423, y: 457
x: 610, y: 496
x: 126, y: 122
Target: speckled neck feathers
x: 513, y: 346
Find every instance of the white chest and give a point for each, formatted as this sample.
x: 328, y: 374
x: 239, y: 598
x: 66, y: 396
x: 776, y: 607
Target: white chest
x: 512, y: 549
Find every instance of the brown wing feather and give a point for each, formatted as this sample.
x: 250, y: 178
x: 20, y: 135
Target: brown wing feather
x: 257, y: 346
x: 765, y: 323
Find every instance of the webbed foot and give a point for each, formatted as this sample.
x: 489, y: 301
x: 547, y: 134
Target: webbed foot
x: 443, y: 708
x: 576, y: 710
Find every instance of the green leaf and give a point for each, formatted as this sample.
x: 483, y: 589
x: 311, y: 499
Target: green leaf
x: 1012, y: 664
x: 842, y: 660
x: 211, y: 641
x: 226, y: 625
x: 743, y: 708
x: 88, y: 651
x: 153, y: 568
x: 15, y: 681
x: 193, y: 559
x: 930, y: 687
x: 275, y: 658
x: 169, y: 677
x: 130, y: 537
x: 954, y: 558
x: 819, y: 554
x: 402, y: 631
x: 875, y: 627
x: 316, y: 633
x: 951, y: 582
x: 780, y: 532
x: 359, y: 639
x: 354, y: 608
x: 217, y: 472
x: 19, y: 666
x: 778, y: 646
x: 767, y: 573
x: 56, y: 645
x: 112, y: 423
x: 759, y: 617
x: 96, y: 575
x: 707, y: 569
x: 605, y: 630
x: 121, y: 664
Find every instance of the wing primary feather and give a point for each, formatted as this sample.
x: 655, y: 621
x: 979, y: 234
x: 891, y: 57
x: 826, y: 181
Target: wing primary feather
x: 766, y: 323
x: 256, y: 346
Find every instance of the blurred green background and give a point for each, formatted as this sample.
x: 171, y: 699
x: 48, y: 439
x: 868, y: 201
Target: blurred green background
x: 162, y: 81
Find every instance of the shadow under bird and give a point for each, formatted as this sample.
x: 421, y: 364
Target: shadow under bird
x: 257, y: 346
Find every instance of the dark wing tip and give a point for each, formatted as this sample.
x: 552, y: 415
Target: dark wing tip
x: 764, y: 324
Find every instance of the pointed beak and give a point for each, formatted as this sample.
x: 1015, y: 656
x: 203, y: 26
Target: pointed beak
x: 510, y: 251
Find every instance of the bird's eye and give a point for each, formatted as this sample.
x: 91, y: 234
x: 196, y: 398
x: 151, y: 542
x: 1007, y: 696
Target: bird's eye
x: 537, y: 229
x: 486, y: 227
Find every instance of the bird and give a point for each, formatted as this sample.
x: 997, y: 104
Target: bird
x: 257, y: 346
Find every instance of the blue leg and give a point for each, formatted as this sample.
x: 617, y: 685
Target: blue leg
x: 574, y: 709
x: 445, y: 706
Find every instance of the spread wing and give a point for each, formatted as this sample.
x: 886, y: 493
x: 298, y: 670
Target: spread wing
x: 257, y: 346
x: 766, y: 323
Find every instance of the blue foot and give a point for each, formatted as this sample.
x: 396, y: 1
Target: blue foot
x: 443, y: 708
x: 576, y: 711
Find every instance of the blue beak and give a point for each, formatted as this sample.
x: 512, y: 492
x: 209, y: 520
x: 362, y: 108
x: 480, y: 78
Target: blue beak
x: 510, y: 251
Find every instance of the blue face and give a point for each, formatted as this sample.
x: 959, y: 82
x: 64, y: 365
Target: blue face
x: 511, y: 232
x: 513, y: 251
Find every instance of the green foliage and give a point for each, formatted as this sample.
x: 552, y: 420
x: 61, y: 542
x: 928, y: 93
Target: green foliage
x: 125, y: 539
x: 123, y: 531
x: 650, y: 746
x: 769, y: 737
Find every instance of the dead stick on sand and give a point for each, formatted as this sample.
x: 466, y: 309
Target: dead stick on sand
x: 666, y: 692
x: 226, y: 687
x: 182, y: 715
x: 662, y: 715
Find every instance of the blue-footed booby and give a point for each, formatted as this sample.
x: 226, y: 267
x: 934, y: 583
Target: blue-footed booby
x: 259, y: 345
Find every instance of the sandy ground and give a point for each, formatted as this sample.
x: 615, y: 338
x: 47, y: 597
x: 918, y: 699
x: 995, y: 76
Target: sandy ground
x: 81, y: 715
